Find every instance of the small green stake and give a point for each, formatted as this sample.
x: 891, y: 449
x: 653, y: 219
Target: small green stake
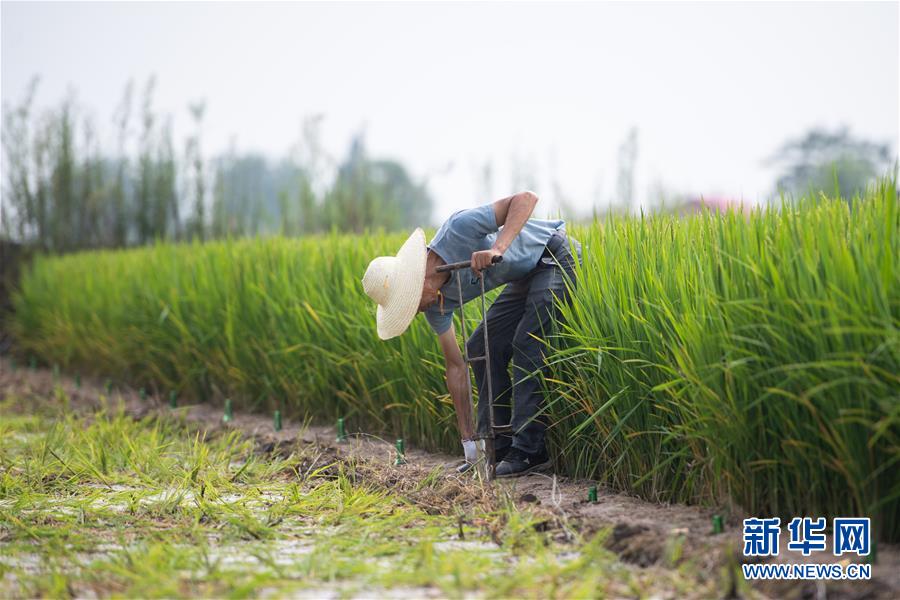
x: 55, y: 371
x: 32, y: 363
x: 341, y: 432
x: 401, y: 454
x: 228, y: 413
x: 173, y: 399
x: 592, y: 494
x: 717, y: 524
x: 142, y: 393
x: 108, y: 386
x: 78, y: 381
x: 277, y: 420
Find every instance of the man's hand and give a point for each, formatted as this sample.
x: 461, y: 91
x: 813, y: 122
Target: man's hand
x: 483, y: 259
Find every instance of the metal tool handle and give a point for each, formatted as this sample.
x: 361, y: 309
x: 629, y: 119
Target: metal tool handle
x: 464, y: 265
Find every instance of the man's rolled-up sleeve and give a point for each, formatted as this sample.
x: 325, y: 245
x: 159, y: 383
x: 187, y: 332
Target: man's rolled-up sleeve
x: 475, y: 222
x: 439, y: 322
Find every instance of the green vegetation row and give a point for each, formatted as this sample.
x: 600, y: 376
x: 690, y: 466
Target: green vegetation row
x: 747, y: 360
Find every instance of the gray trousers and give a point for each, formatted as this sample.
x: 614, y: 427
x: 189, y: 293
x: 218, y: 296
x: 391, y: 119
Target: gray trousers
x: 524, y: 309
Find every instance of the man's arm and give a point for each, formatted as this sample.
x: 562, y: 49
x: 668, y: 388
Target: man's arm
x: 457, y: 384
x: 511, y: 214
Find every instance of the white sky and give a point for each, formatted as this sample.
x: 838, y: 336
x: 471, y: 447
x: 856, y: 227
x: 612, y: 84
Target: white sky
x: 714, y: 88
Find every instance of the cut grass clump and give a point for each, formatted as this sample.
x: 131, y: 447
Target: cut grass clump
x: 189, y: 526
x: 750, y: 360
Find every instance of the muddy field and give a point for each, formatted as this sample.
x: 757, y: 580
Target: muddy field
x: 105, y: 493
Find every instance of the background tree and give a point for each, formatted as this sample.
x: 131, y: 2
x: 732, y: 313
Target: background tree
x: 310, y: 154
x: 374, y: 194
x: 628, y: 152
x: 119, y: 209
x: 63, y: 213
x: 62, y: 192
x: 484, y: 180
x: 194, y: 156
x: 523, y: 171
x: 165, y: 193
x: 814, y: 160
x: 93, y: 191
x: 18, y: 197
x: 145, y: 168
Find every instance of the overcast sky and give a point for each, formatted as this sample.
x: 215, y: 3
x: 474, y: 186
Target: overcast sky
x: 713, y: 88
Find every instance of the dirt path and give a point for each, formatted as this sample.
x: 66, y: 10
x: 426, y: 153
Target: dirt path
x: 642, y: 533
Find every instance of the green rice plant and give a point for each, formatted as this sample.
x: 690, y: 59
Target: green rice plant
x: 753, y: 359
x: 743, y: 359
x: 253, y: 319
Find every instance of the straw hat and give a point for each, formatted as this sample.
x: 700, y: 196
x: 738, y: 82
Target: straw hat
x: 395, y: 283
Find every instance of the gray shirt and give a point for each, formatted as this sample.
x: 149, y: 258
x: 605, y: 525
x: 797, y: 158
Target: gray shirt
x: 470, y: 230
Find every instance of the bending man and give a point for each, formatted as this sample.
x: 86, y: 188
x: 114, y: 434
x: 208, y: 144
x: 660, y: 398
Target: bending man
x: 538, y: 270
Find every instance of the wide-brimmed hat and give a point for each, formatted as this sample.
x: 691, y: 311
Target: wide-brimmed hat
x: 395, y: 283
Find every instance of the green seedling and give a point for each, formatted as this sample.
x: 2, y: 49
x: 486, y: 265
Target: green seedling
x: 142, y: 394
x: 173, y: 399
x: 341, y: 432
x: 277, y: 420
x: 228, y: 414
x: 108, y: 386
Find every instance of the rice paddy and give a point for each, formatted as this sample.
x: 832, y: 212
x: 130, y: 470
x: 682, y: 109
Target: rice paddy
x: 729, y: 360
x: 747, y: 363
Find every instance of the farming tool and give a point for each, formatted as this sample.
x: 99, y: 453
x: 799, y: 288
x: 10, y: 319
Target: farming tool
x: 486, y: 459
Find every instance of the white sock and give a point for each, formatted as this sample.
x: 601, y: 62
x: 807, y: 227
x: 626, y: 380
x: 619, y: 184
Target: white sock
x: 469, y: 450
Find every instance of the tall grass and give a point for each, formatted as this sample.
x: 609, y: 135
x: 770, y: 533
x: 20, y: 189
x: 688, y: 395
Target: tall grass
x: 712, y: 358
